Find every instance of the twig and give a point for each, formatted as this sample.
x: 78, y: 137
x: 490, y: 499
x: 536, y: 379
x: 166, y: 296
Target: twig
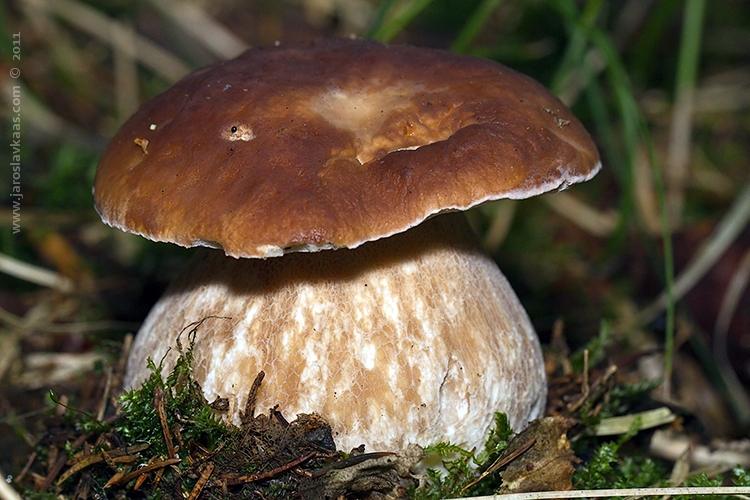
x: 161, y: 464
x: 157, y: 479
x: 162, y: 412
x: 648, y: 419
x: 625, y: 492
x: 351, y: 461
x: 35, y: 274
x: 589, y: 390
x: 118, y: 455
x: 25, y: 470
x: 585, y: 385
x: 105, y: 395
x: 58, y: 465
x: 251, y: 397
x: 205, y: 475
x: 262, y: 476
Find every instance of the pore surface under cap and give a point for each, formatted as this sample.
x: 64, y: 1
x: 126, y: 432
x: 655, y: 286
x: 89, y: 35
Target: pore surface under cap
x: 331, y: 145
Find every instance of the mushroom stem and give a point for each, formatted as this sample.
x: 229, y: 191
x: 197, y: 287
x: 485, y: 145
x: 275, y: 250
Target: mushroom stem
x: 413, y: 338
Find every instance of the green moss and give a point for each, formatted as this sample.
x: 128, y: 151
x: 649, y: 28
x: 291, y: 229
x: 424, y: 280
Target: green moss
x: 461, y: 467
x: 607, y: 469
x: 182, y: 397
x: 739, y: 477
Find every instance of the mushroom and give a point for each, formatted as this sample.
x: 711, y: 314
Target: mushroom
x: 323, y: 172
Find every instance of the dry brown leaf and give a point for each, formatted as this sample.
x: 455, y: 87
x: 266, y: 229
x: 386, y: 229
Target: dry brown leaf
x: 545, y: 466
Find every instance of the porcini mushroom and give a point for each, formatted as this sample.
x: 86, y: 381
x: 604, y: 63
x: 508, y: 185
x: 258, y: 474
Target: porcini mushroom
x: 320, y: 171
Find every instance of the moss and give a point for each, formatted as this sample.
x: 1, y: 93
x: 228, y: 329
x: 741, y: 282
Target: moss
x: 607, y: 469
x: 460, y: 467
x: 181, y: 397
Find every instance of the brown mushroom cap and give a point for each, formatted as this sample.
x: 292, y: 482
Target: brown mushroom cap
x: 331, y: 145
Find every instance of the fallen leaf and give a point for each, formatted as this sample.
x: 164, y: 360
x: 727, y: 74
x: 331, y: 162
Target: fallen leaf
x: 547, y: 465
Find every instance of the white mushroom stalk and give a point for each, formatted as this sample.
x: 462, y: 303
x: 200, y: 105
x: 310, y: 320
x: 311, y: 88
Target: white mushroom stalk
x: 417, y: 338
